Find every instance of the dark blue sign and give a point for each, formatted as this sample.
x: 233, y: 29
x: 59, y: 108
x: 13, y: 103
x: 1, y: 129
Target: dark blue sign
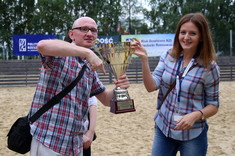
x: 109, y: 39
x: 26, y: 45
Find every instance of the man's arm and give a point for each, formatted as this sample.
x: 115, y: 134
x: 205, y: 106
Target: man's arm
x: 62, y: 48
x: 57, y: 47
x: 106, y: 96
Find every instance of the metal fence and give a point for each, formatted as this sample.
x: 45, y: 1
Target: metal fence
x: 26, y: 72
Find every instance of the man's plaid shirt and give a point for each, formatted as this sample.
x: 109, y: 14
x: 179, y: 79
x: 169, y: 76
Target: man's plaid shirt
x: 61, y: 127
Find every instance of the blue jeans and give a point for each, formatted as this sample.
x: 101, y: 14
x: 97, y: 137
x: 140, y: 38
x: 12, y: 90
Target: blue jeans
x: 165, y: 146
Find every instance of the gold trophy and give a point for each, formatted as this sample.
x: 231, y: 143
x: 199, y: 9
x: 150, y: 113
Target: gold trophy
x: 117, y: 57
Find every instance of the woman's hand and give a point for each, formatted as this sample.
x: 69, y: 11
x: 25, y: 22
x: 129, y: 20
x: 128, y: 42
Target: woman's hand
x: 87, y: 139
x: 187, y: 121
x: 138, y: 49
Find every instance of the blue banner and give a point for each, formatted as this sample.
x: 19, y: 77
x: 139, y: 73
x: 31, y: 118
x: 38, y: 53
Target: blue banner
x: 109, y: 39
x: 26, y: 45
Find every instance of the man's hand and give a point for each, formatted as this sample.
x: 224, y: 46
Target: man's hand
x: 95, y: 62
x: 122, y: 82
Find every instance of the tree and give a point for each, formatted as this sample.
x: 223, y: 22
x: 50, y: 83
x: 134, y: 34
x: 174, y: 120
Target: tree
x: 15, y: 18
x: 5, y: 27
x: 131, y: 13
x: 221, y: 15
x: 56, y: 17
x: 164, y: 16
x: 52, y: 17
x: 108, y: 17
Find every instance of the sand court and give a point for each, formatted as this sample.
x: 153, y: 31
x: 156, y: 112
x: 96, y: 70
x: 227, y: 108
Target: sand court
x: 127, y: 134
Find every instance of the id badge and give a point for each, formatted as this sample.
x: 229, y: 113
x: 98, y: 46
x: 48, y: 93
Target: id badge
x: 177, y: 117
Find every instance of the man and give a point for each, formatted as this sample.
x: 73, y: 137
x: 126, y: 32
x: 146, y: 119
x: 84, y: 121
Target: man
x: 90, y: 118
x: 60, y: 130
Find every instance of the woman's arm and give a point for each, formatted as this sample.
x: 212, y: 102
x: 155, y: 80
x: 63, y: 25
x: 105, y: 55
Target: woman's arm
x: 188, y: 120
x: 140, y: 51
x: 88, y: 138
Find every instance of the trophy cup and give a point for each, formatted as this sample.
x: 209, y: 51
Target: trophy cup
x: 117, y: 57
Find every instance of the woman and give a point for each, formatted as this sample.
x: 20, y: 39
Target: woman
x: 180, y: 120
x: 89, y: 126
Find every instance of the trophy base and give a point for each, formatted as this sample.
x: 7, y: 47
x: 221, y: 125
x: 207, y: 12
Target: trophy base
x: 122, y: 106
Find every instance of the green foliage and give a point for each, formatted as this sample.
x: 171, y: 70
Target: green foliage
x: 56, y: 17
x: 164, y: 16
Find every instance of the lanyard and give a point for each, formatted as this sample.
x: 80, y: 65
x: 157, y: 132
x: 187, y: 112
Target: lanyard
x: 178, y: 79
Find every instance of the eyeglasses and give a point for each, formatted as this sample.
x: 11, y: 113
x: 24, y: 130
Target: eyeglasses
x: 94, y: 31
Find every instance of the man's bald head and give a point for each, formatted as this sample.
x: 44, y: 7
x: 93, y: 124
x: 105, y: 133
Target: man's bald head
x: 80, y: 21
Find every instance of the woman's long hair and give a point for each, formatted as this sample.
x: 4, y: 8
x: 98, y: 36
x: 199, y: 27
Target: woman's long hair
x: 205, y: 53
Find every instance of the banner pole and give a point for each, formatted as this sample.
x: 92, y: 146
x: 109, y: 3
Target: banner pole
x: 231, y: 42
